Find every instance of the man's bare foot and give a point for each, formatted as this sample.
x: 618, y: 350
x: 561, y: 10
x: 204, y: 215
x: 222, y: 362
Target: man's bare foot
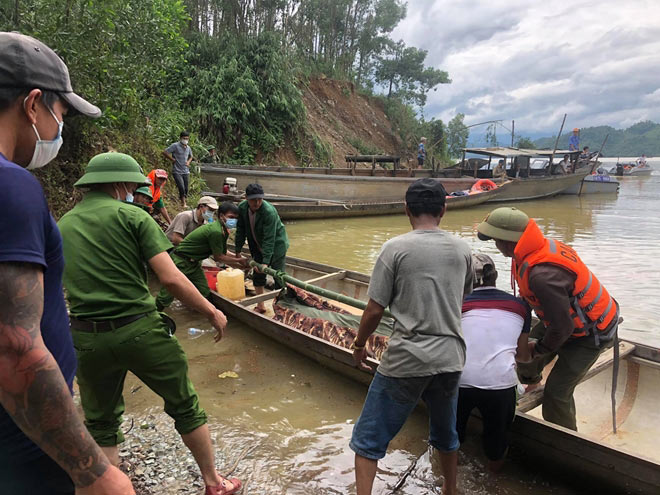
x: 260, y: 309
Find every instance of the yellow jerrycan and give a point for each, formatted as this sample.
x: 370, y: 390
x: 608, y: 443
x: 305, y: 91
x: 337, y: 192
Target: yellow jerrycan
x: 230, y: 284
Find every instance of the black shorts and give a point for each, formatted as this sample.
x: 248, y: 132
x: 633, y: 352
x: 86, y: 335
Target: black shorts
x: 40, y: 476
x: 497, y: 408
x: 420, y: 161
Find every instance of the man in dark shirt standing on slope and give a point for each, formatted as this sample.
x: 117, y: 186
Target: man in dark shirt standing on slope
x: 44, y: 445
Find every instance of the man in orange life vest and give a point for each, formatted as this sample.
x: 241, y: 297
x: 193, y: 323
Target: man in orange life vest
x: 158, y: 177
x: 578, y: 316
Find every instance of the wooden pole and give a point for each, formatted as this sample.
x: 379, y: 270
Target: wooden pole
x: 513, y: 128
x: 557, y: 140
x: 356, y: 303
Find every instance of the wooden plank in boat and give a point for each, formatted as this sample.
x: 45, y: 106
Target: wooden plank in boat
x: 534, y: 398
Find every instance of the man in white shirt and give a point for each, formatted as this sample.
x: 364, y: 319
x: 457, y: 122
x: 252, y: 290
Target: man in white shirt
x: 495, y: 328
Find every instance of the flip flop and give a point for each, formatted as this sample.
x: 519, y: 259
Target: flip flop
x: 222, y: 490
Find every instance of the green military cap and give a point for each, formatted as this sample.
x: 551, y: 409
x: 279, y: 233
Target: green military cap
x: 144, y: 190
x: 505, y: 224
x: 112, y: 167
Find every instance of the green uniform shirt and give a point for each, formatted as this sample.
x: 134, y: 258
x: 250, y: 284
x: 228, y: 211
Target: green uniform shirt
x: 204, y: 241
x: 106, y: 245
x: 271, y: 241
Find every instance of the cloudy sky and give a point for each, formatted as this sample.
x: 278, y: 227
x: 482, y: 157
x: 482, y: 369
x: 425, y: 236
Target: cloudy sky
x: 534, y: 60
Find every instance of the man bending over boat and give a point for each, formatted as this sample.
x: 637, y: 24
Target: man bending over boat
x: 495, y: 327
x: 259, y: 222
x: 207, y: 240
x: 423, y: 277
x: 579, y: 318
x: 114, y: 322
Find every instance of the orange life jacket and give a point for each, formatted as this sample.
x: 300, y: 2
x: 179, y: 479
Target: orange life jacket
x: 155, y: 192
x: 592, y: 307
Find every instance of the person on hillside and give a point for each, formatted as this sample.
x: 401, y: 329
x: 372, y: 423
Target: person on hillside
x: 495, y: 327
x: 574, y: 140
x: 207, y: 240
x: 579, y: 318
x: 114, y: 322
x: 212, y: 156
x: 180, y: 154
x: 44, y: 445
x: 158, y: 178
x: 422, y: 276
x: 187, y: 221
x: 499, y: 172
x: 421, y: 152
x: 260, y: 224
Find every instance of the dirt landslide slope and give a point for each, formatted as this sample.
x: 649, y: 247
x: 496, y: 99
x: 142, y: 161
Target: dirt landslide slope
x: 351, y: 123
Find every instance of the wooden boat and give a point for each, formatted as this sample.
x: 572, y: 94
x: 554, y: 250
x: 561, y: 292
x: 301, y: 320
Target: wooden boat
x: 344, y: 188
x: 594, y: 184
x: 302, y: 209
x: 527, y: 181
x: 628, y: 462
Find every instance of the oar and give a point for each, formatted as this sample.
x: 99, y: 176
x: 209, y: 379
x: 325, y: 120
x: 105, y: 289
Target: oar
x: 283, y: 278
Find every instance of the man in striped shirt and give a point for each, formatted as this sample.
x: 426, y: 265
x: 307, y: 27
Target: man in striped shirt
x: 495, y: 327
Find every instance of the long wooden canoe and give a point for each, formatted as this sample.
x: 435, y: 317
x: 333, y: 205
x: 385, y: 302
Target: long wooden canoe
x: 628, y: 462
x: 345, y: 188
x: 309, y: 209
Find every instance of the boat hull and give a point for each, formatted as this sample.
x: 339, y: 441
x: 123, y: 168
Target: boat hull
x: 304, y: 210
x: 536, y: 188
x: 552, y: 445
x: 333, y: 187
x: 593, y: 186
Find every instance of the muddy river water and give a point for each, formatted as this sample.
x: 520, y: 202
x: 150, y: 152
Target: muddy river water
x: 291, y: 419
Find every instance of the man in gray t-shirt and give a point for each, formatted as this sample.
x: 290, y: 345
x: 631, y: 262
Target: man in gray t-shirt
x: 423, y: 277
x: 180, y: 155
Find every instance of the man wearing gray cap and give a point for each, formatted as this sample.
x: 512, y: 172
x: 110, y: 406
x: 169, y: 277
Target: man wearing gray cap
x: 187, y: 221
x: 44, y: 445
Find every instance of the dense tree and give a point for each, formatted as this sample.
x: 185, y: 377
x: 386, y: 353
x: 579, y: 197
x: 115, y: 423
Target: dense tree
x: 457, y: 135
x: 526, y: 143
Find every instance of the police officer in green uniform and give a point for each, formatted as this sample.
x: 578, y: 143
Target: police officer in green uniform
x: 207, y: 240
x: 259, y: 222
x: 114, y: 322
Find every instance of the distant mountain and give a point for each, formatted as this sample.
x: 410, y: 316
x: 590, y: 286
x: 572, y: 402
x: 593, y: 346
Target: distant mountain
x: 640, y: 138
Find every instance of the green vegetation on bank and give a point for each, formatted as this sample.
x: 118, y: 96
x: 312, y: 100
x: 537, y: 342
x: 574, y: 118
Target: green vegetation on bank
x: 229, y: 71
x: 638, y: 139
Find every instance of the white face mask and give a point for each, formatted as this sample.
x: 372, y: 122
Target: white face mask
x: 45, y: 151
x: 184, y: 141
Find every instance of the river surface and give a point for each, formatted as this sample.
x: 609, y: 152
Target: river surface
x: 295, y: 418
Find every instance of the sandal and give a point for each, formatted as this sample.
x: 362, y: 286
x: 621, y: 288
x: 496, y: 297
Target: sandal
x: 222, y: 489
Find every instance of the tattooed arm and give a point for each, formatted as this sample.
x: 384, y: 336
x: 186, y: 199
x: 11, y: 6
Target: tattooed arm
x: 34, y: 392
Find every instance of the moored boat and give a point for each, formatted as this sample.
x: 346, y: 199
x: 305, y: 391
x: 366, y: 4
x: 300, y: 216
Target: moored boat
x: 594, y: 184
x: 628, y: 461
x: 527, y: 182
x: 304, y: 208
x: 344, y: 188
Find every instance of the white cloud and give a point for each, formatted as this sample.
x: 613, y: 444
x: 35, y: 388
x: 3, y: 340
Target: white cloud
x: 533, y: 60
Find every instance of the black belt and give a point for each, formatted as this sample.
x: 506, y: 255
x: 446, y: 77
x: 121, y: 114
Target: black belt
x: 103, y: 326
x: 185, y: 258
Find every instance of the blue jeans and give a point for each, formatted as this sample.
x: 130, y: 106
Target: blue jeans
x: 390, y: 401
x: 181, y: 181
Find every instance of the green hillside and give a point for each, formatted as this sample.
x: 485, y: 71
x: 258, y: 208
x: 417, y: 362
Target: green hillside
x: 640, y: 138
